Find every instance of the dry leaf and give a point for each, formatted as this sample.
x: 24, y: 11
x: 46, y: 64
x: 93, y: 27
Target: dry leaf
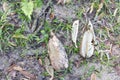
x: 52, y: 16
x: 12, y: 43
x: 87, y: 45
x: 92, y: 7
x: 47, y: 62
x: 17, y: 68
x: 40, y: 61
x: 99, y: 8
x: 75, y: 31
x: 49, y: 68
x: 115, y: 12
x: 66, y: 1
x: 63, y: 1
x: 24, y: 79
x: 11, y: 68
x: 25, y: 73
x: 57, y: 54
x: 93, y: 76
x: 5, y: 6
x: 28, y: 75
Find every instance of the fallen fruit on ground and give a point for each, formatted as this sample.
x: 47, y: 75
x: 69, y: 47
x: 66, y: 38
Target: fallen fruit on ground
x: 87, y: 44
x: 57, y: 53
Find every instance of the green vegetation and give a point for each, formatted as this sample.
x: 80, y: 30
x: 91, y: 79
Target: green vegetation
x: 16, y: 20
x: 11, y: 35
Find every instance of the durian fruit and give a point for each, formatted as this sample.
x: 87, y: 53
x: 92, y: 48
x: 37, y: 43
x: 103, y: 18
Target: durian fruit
x: 87, y: 44
x: 57, y: 53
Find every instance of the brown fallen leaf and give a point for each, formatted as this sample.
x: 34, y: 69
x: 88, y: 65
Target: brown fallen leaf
x: 52, y: 16
x: 25, y: 73
x: 10, y: 68
x: 40, y: 61
x: 77, y: 63
x: 17, y: 68
x: 57, y: 54
x: 93, y: 76
x: 28, y: 75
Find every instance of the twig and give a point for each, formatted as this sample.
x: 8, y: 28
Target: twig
x: 41, y: 14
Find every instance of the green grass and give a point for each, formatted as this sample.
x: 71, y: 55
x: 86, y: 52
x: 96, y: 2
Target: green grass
x: 10, y: 35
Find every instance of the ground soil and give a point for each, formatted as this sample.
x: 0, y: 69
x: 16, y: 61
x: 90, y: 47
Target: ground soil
x: 81, y: 69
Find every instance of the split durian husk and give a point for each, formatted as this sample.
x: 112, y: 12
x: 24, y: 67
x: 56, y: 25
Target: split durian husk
x: 57, y: 53
x: 87, y: 44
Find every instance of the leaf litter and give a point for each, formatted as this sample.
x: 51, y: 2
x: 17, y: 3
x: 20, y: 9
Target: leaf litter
x: 23, y: 72
x: 63, y: 1
x: 93, y: 76
x: 49, y: 68
x: 75, y: 31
